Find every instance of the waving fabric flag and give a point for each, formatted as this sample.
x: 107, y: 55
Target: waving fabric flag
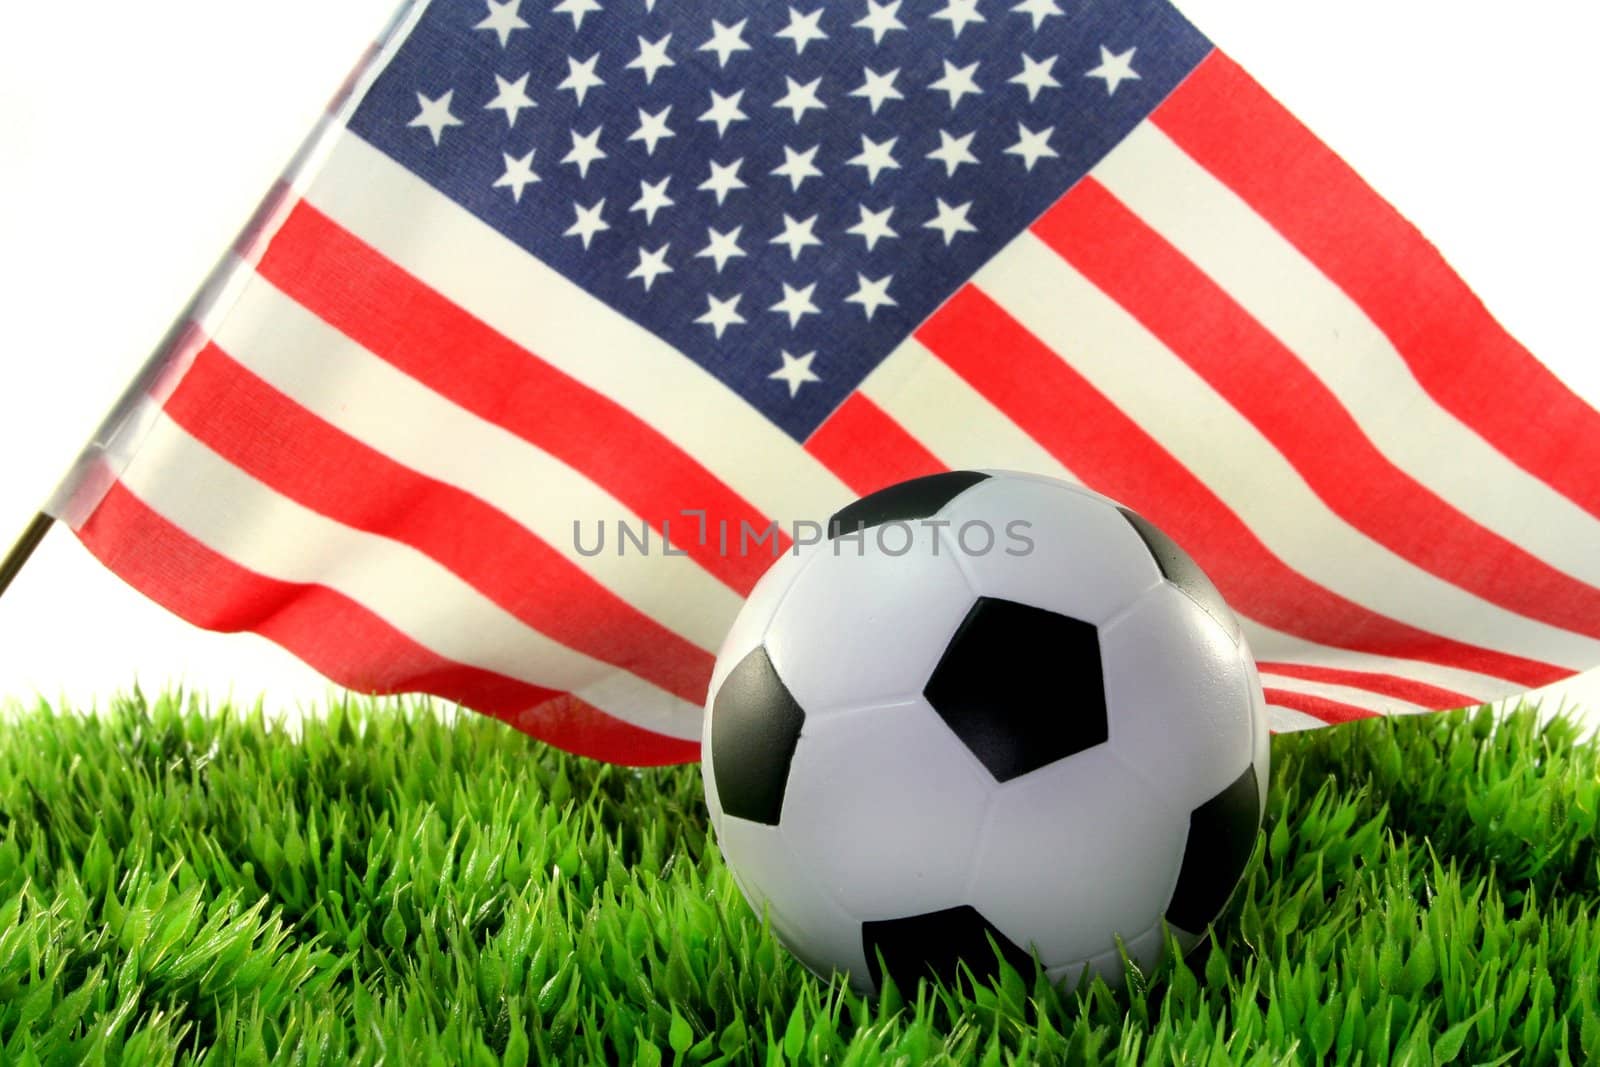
x: 692, y: 267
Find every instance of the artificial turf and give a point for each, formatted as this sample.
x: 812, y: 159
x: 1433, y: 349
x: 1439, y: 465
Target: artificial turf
x: 179, y: 884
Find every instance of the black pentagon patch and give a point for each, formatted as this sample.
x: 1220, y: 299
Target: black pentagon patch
x: 919, y: 498
x: 937, y: 943
x: 1021, y: 686
x: 755, y: 725
x: 1222, y: 834
x: 1182, y: 571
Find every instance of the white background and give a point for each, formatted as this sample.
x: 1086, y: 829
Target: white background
x: 136, y: 138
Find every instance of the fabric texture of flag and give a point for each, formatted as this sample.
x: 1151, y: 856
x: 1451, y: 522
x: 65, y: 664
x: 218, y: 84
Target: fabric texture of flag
x: 694, y: 266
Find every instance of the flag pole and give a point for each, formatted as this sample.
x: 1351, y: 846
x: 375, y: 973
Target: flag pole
x: 159, y: 361
x: 22, y: 551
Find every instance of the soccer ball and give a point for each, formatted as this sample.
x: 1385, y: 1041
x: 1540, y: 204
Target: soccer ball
x: 990, y: 709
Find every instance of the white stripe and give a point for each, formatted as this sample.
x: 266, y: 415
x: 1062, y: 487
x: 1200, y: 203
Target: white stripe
x: 362, y: 395
x: 950, y: 419
x: 1161, y: 393
x: 1343, y: 694
x: 469, y: 263
x: 248, y: 523
x: 1281, y: 720
x: 955, y: 422
x: 1286, y: 293
x: 1273, y: 646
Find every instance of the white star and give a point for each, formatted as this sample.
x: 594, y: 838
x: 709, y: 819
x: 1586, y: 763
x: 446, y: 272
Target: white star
x: 1035, y: 76
x: 581, y: 77
x: 513, y: 98
x: 588, y: 222
x: 651, y: 58
x: 951, y: 220
x: 957, y: 82
x: 652, y: 129
x: 725, y: 41
x: 651, y: 266
x: 503, y: 20
x: 1038, y: 10
x: 1114, y: 69
x: 875, y: 157
x: 873, y: 227
x: 798, y: 166
x: 801, y: 98
x: 878, y: 87
x: 880, y: 19
x: 797, y: 303
x: 958, y: 13
x: 435, y: 115
x: 518, y: 176
x: 724, y: 111
x: 797, y: 235
x: 795, y: 372
x: 652, y: 198
x: 722, y: 246
x: 585, y: 150
x: 724, y: 179
x: 872, y: 295
x: 954, y: 151
x: 1033, y: 147
x: 803, y: 29
x: 577, y: 9
x: 720, y: 314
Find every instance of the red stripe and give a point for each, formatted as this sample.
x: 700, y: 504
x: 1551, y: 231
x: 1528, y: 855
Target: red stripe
x: 1462, y: 357
x: 1329, y: 711
x: 1389, y: 685
x: 867, y: 449
x: 1068, y: 417
x: 340, y: 638
x: 350, y: 286
x: 276, y: 441
x: 1301, y: 416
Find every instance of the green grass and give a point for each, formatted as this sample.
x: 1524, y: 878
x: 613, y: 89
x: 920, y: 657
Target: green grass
x: 178, y: 886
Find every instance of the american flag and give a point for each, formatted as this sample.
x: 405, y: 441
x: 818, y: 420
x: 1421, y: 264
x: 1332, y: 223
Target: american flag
x: 698, y: 264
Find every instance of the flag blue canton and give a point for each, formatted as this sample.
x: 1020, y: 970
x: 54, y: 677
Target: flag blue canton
x: 782, y: 193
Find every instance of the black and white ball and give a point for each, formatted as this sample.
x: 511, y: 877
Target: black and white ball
x: 988, y: 706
